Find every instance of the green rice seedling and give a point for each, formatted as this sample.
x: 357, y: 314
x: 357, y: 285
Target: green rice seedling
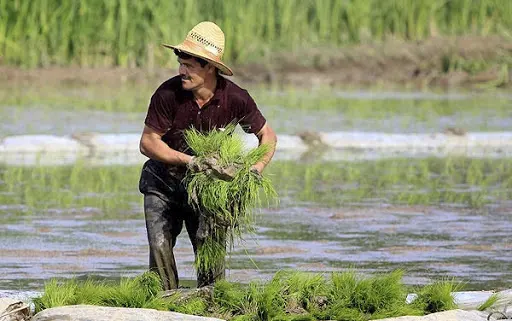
x: 139, y: 292
x: 56, y: 294
x: 230, y: 298
x: 489, y: 303
x: 437, y: 297
x: 345, y: 296
x: 308, y: 291
x: 195, y: 306
x: 225, y: 206
x: 354, y: 298
x: 91, y: 292
x: 270, y: 299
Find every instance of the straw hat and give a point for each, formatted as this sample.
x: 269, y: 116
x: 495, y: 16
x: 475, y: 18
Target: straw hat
x: 206, y: 41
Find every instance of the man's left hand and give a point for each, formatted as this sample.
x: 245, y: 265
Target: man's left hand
x: 258, y: 167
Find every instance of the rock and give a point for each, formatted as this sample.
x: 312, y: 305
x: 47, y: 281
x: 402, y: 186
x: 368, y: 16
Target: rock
x: 97, y: 313
x: 13, y: 310
x: 452, y: 315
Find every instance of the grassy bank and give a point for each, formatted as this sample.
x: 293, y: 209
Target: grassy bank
x: 113, y: 193
x: 128, y: 33
x: 287, y: 296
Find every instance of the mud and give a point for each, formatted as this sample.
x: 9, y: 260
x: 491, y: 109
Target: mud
x: 477, y: 62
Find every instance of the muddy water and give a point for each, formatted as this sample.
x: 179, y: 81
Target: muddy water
x: 428, y: 242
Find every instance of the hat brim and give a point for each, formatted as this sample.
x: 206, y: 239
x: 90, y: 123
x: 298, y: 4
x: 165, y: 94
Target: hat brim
x: 198, y: 52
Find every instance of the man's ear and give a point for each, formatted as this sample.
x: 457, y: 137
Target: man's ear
x: 211, y: 68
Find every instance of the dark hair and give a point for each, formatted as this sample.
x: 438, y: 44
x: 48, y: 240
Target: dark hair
x: 184, y: 55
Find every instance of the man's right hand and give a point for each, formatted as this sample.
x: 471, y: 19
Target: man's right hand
x: 211, y: 166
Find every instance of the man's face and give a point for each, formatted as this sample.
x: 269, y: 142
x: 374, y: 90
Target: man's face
x: 192, y: 74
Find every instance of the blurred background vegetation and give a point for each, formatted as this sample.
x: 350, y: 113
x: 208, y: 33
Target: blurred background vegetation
x: 127, y: 33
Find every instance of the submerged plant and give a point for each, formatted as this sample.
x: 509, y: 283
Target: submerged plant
x: 225, y: 206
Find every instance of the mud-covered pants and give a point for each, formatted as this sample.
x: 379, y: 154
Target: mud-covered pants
x: 166, y: 209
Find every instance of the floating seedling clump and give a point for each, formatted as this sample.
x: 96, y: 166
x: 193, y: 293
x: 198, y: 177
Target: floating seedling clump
x: 225, y: 202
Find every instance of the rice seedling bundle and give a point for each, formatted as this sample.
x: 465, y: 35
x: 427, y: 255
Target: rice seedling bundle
x: 225, y: 207
x: 288, y: 296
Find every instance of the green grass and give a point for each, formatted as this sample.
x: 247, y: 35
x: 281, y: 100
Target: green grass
x: 128, y: 33
x: 289, y: 295
x: 225, y: 206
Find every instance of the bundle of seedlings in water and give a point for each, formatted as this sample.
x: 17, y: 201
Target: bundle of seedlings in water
x: 224, y: 190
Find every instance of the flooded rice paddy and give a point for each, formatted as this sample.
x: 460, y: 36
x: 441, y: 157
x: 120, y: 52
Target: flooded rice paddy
x: 434, y: 217
x: 71, y: 111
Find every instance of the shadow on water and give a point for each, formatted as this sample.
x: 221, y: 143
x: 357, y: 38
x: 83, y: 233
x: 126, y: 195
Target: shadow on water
x: 435, y: 218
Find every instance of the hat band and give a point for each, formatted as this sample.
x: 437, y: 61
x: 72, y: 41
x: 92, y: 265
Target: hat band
x: 200, y: 50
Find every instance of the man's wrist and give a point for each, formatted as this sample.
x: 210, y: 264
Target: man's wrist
x: 259, y: 166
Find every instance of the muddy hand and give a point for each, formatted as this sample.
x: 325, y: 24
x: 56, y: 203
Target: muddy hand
x: 197, y: 164
x: 225, y: 173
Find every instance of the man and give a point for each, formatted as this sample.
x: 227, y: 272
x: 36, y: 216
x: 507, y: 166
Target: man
x: 198, y: 97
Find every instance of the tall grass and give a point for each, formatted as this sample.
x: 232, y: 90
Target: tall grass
x: 127, y: 33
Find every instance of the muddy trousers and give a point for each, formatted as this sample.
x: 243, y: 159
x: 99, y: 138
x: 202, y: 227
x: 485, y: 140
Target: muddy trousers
x: 164, y: 222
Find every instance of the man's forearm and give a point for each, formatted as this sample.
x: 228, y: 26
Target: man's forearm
x: 271, y: 143
x: 158, y: 150
x: 269, y: 138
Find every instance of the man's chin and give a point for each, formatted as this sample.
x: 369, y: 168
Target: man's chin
x: 185, y: 84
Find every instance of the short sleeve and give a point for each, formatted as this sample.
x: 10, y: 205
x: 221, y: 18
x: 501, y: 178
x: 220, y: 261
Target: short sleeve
x: 251, y: 119
x: 159, y: 116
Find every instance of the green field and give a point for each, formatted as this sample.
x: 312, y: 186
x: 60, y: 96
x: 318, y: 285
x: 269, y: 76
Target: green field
x: 127, y: 33
x: 466, y: 182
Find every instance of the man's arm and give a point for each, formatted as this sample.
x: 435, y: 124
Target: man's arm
x: 152, y: 146
x: 266, y: 136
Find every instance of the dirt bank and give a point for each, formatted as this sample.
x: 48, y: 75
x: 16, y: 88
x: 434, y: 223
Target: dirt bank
x: 467, y: 62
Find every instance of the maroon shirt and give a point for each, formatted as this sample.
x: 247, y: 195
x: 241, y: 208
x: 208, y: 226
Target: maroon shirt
x: 172, y: 110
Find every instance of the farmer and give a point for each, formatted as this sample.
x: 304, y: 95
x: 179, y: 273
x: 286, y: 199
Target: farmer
x: 199, y: 97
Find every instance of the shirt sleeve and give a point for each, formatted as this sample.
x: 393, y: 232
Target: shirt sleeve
x: 159, y: 116
x: 251, y: 119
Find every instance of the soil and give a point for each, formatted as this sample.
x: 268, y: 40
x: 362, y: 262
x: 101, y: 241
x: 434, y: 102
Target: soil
x: 442, y: 62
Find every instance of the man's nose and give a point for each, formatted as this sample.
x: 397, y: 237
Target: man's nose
x: 182, y: 71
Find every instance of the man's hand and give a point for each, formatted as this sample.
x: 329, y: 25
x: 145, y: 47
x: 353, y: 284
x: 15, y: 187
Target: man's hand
x: 258, y: 167
x: 211, y: 166
x: 199, y: 164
